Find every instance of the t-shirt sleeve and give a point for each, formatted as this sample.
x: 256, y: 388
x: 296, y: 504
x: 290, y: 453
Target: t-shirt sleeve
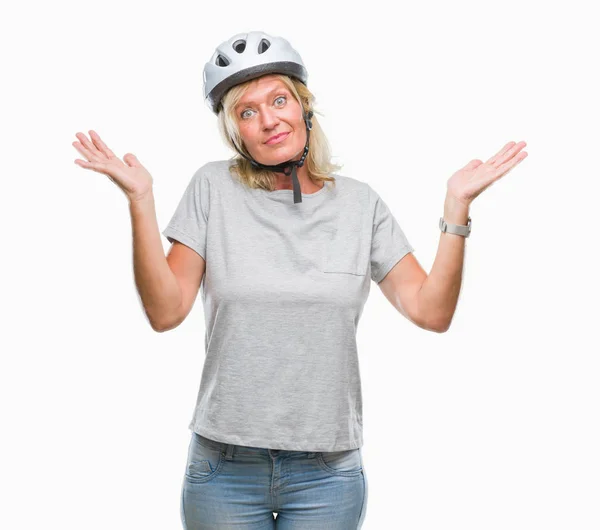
x: 389, y: 244
x: 188, y: 225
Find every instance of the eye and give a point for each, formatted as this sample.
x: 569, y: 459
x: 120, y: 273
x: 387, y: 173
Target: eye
x: 277, y: 98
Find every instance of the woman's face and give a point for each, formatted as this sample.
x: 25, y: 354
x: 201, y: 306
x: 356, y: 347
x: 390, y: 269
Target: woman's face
x: 267, y: 109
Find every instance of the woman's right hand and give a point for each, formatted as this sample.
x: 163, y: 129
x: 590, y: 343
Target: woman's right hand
x: 133, y: 178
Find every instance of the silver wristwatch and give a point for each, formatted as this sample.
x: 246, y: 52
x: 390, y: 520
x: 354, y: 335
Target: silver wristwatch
x: 461, y: 230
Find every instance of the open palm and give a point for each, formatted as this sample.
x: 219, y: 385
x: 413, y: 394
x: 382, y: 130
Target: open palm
x: 468, y: 182
x: 129, y: 174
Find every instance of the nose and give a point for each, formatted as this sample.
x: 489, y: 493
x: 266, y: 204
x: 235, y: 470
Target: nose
x: 269, y: 119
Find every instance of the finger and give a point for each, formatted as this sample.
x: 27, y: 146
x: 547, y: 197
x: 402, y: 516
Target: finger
x: 101, y: 145
x: 87, y: 164
x: 509, y: 154
x: 99, y: 167
x: 85, y: 152
x: 473, y: 164
x: 507, y: 166
x: 500, y: 153
x: 131, y: 160
x: 89, y: 146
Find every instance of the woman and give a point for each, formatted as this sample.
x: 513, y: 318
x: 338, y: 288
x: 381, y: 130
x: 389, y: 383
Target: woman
x: 283, y: 250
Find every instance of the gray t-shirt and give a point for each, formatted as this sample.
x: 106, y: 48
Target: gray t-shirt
x: 283, y: 292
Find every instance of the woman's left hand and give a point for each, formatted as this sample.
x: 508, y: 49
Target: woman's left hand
x: 469, y: 181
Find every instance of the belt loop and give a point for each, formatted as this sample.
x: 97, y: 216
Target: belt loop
x: 312, y: 454
x: 228, y: 451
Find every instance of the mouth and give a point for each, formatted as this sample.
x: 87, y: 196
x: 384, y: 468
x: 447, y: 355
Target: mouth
x: 279, y: 138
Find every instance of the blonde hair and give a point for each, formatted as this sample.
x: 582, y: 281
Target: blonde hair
x: 318, y: 160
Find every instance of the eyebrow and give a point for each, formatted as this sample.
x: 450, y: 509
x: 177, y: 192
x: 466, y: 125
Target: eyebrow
x: 276, y: 89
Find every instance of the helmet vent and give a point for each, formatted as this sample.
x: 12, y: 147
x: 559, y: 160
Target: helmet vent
x: 239, y: 46
x: 263, y: 46
x: 221, y: 60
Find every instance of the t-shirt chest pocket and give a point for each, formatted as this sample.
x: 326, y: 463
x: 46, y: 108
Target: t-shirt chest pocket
x: 344, y: 246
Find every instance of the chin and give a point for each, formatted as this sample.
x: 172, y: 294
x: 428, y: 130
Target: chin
x: 281, y: 156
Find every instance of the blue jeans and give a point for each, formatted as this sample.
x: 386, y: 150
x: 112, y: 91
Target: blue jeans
x: 228, y: 486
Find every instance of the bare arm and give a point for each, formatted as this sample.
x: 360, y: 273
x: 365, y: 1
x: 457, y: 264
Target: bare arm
x: 438, y: 296
x: 157, y: 284
x: 401, y: 287
x: 167, y: 287
x: 429, y: 301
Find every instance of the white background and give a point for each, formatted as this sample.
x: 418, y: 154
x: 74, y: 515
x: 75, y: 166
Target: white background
x: 492, y: 425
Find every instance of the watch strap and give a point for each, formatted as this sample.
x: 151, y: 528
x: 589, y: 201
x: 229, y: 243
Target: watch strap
x: 461, y: 230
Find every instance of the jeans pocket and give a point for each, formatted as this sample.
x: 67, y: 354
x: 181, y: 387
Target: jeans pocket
x: 347, y: 463
x: 205, y: 460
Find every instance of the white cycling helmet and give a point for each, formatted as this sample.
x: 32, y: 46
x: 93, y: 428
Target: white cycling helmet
x: 247, y: 56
